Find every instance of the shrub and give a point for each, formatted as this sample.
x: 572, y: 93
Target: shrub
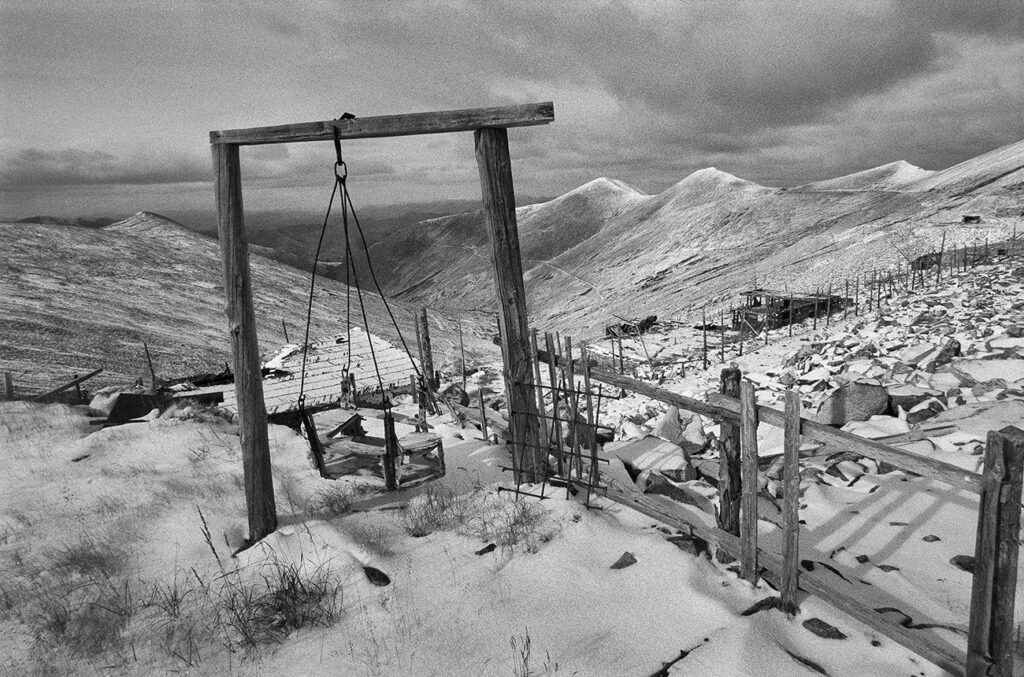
x: 436, y: 510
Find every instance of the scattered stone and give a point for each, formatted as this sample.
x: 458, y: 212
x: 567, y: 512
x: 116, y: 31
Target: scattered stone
x: 807, y: 662
x: 456, y: 393
x: 963, y: 562
x: 823, y: 629
x: 763, y: 605
x: 862, y: 559
x: 490, y: 547
x: 924, y: 411
x: 376, y: 576
x: 950, y: 350
x: 626, y: 560
x: 853, y: 402
x: 887, y: 567
x: 931, y: 538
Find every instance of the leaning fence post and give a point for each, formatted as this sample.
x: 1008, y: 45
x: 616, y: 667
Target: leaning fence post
x: 748, y: 483
x: 391, y: 453
x: 729, y: 462
x: 990, y: 640
x: 791, y: 504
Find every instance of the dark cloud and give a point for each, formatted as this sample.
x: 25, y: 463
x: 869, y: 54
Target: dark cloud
x: 33, y: 168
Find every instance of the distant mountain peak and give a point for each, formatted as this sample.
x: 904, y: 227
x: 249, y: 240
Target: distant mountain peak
x: 891, y: 176
x: 149, y: 223
x: 712, y: 178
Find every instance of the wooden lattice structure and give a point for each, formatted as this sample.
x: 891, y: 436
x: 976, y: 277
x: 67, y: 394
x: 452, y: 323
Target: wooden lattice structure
x: 489, y: 127
x: 774, y: 309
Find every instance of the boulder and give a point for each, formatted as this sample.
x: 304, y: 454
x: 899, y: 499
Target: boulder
x: 853, y: 402
x: 667, y: 426
x: 916, y: 353
x: 944, y: 356
x: 906, y: 397
x: 924, y: 411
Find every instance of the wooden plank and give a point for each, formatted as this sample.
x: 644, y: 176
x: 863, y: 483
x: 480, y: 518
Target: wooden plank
x: 923, y: 642
x: 427, y: 358
x: 791, y: 504
x: 729, y: 464
x: 556, y: 424
x: 495, y: 167
x: 245, y: 354
x: 990, y: 641
x: 70, y: 384
x: 438, y: 122
x: 391, y: 453
x: 748, y: 482
x: 922, y: 465
x: 544, y: 436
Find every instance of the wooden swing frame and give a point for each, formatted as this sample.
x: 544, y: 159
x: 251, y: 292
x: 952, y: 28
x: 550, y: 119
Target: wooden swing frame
x: 489, y: 127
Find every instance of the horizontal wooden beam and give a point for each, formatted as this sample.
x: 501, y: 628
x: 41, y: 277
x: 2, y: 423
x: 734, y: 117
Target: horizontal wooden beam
x: 952, y: 475
x: 69, y: 384
x: 409, y: 124
x: 720, y: 406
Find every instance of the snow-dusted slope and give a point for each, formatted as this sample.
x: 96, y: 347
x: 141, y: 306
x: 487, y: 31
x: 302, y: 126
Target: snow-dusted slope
x: 74, y: 299
x: 999, y: 169
x: 892, y: 176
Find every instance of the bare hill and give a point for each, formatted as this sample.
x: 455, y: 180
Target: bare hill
x: 621, y: 253
x: 75, y: 299
x: 892, y: 176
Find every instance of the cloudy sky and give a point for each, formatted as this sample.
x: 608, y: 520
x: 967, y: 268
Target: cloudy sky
x: 106, y: 105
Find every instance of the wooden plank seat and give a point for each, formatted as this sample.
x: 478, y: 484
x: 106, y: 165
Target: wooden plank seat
x: 422, y: 444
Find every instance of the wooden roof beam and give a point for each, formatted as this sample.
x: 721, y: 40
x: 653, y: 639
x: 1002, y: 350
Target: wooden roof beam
x: 439, y: 122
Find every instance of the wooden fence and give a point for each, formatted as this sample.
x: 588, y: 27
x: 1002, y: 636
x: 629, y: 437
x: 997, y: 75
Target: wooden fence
x: 991, y: 628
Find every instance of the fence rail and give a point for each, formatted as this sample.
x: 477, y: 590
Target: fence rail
x: 990, y: 639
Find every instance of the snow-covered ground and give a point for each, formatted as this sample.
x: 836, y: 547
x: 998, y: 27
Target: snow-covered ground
x: 116, y: 545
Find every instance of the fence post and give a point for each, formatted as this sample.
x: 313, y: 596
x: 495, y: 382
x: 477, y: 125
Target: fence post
x: 791, y: 504
x: 704, y: 322
x: 990, y: 639
x: 391, y: 452
x: 748, y: 482
x: 8, y: 386
x: 556, y: 426
x: 729, y: 462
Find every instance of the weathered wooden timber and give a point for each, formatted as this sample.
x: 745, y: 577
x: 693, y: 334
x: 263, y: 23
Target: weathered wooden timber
x: 409, y: 124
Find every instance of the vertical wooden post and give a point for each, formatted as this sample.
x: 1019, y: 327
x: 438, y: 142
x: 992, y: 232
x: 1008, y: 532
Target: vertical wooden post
x: 828, y: 306
x: 748, y: 482
x: 499, y: 203
x: 938, y: 264
x: 990, y: 639
x: 8, y: 386
x: 704, y: 322
x: 284, y: 327
x: 556, y: 424
x: 791, y: 504
x: 483, y: 415
x: 721, y: 324
x: 543, y: 425
x: 428, y: 355
x: 575, y: 452
x: 817, y: 302
x: 252, y: 412
x: 622, y: 358
x: 846, y: 296
x: 856, y: 295
x: 729, y: 461
x: 791, y: 314
x: 462, y: 353
x: 591, y: 422
x: 152, y: 373
x: 391, y: 452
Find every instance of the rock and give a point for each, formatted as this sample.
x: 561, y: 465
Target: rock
x: 823, y: 629
x: 924, y: 411
x: 916, y: 353
x: 979, y: 371
x: 949, y: 350
x: 964, y: 562
x: 906, y: 397
x: 376, y: 576
x: 667, y: 427
x: 1015, y: 331
x: 626, y: 560
x: 456, y: 393
x: 694, y: 440
x: 931, y: 538
x: 853, y: 402
x: 684, y: 492
x: 815, y: 375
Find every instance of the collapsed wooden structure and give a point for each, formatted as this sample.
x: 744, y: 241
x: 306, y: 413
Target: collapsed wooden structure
x: 765, y: 308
